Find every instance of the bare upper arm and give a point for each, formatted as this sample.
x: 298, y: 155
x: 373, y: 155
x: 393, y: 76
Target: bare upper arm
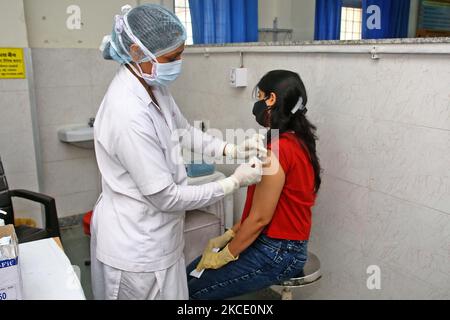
x: 267, y: 192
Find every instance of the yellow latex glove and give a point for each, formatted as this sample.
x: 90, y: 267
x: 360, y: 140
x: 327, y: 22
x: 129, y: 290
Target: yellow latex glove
x: 219, y: 242
x: 215, y: 260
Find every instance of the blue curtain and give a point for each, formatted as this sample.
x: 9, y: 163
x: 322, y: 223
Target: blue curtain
x: 394, y: 19
x: 224, y: 21
x: 328, y: 20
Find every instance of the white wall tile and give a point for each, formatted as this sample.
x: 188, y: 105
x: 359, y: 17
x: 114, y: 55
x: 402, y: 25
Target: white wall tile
x: 395, y: 282
x: 342, y: 207
x: 21, y: 180
x: 17, y: 151
x: 70, y: 176
x: 98, y: 93
x: 259, y: 64
x: 345, y: 277
x: 64, y: 105
x: 343, y: 146
x: 344, y: 84
x: 400, y: 237
x: 413, y: 90
x: 55, y: 150
x: 194, y: 69
x: 76, y: 203
x: 14, y: 112
x: 378, y: 229
x: 61, y: 67
x: 13, y: 85
x: 396, y: 285
x: 411, y: 163
x: 101, y: 71
x: 411, y: 238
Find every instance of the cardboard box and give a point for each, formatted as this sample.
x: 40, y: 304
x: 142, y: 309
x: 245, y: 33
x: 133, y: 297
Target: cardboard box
x: 10, y: 277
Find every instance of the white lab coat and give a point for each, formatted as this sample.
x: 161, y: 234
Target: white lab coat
x: 138, y: 221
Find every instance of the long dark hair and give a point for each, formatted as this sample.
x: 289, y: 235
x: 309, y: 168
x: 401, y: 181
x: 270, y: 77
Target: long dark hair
x: 288, y: 88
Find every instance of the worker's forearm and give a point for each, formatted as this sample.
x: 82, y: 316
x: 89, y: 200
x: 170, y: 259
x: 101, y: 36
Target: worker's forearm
x: 181, y: 198
x: 247, y: 233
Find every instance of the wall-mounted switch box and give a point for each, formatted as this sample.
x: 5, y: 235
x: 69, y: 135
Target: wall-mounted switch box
x: 238, y: 77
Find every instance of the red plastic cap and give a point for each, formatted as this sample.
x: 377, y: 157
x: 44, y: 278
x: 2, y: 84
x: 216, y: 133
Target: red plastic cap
x: 87, y: 223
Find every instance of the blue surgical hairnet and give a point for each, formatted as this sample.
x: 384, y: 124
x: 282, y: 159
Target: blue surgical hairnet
x: 158, y: 29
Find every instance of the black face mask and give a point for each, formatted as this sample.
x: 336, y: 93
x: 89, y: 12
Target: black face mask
x: 260, y: 111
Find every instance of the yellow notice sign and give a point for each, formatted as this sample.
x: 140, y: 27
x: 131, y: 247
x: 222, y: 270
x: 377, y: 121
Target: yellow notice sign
x: 12, y: 65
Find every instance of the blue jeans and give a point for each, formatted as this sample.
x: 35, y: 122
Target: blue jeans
x: 266, y: 262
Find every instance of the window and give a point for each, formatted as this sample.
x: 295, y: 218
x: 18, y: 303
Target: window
x: 184, y: 14
x: 351, y: 26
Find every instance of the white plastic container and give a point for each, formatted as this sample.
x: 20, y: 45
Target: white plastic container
x: 10, y: 277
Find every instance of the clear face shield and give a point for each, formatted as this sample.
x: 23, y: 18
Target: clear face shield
x: 256, y: 94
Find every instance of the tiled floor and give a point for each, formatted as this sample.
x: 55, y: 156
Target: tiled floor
x: 76, y: 246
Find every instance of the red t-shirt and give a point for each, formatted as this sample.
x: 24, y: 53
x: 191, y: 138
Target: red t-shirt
x: 292, y: 217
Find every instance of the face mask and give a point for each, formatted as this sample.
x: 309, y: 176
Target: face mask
x: 260, y: 111
x: 163, y: 74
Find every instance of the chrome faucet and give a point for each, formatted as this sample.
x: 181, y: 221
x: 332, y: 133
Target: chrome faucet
x: 91, y: 122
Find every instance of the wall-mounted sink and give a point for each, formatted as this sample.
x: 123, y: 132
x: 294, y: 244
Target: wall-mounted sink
x: 77, y: 135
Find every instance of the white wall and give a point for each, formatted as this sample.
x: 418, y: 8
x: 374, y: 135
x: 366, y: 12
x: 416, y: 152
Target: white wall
x: 13, y: 32
x: 413, y: 18
x: 46, y: 21
x: 268, y: 10
x: 384, y: 130
x: 303, y: 17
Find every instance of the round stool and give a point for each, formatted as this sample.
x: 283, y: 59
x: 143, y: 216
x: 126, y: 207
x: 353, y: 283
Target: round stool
x: 311, y: 273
